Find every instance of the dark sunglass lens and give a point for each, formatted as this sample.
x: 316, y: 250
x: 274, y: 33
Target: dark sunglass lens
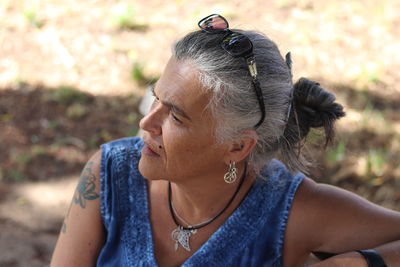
x: 213, y: 22
x: 237, y: 44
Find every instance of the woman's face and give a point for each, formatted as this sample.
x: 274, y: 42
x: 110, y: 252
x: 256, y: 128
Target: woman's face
x: 179, y: 130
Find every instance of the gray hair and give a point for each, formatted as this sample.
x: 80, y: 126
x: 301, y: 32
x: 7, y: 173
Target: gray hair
x: 234, y: 103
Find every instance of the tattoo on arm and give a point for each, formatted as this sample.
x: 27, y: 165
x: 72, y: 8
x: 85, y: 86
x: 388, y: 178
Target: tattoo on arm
x: 84, y: 191
x: 86, y: 187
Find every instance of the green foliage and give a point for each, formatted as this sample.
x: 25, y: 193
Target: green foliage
x: 66, y: 95
x: 34, y: 138
x: 369, y: 74
x: 366, y: 115
x: 77, y: 111
x: 16, y: 175
x: 132, y: 117
x: 38, y: 150
x: 336, y: 154
x: 100, y: 137
x: 133, y: 131
x: 315, y: 136
x: 376, y: 160
x: 31, y: 16
x: 54, y: 125
x: 137, y: 72
x: 94, y: 141
x: 124, y: 18
x: 24, y: 159
x: 105, y: 135
x: 5, y: 117
x: 138, y: 75
x: 374, y: 119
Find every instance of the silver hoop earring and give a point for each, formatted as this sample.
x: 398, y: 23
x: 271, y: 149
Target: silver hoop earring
x: 230, y: 176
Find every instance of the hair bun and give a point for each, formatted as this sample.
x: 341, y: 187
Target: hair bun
x: 317, y: 105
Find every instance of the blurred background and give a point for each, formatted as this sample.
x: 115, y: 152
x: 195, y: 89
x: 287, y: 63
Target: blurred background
x: 72, y: 74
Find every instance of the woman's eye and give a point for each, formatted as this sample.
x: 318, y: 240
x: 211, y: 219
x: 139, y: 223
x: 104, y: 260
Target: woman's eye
x: 156, y: 99
x: 154, y: 94
x: 175, y: 118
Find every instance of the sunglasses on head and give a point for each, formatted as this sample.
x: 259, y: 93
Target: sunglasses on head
x: 236, y: 45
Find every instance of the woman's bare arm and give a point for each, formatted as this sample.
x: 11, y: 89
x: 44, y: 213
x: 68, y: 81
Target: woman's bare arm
x: 390, y: 252
x: 329, y: 219
x: 82, y: 234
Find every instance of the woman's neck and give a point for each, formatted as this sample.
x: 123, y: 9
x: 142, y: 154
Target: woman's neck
x: 199, y: 200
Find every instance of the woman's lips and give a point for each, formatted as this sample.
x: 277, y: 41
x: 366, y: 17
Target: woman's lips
x: 146, y: 150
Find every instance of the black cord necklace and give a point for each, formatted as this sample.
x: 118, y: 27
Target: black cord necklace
x: 182, y: 234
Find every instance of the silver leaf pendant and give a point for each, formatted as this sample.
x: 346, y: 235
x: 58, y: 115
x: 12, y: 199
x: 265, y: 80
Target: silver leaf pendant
x: 182, y: 236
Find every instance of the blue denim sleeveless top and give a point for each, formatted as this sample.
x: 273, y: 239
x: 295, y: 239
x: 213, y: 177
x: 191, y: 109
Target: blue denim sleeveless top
x: 253, y: 235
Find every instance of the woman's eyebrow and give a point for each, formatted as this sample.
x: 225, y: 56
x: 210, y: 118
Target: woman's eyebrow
x: 170, y: 105
x: 176, y: 109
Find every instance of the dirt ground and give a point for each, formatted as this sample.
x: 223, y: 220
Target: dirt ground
x: 43, y: 151
x: 72, y: 74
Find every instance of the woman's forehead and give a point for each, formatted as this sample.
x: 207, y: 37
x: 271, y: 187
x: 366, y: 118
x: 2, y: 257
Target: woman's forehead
x: 182, y: 72
x: 180, y: 85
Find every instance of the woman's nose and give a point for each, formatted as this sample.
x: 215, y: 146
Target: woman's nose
x: 151, y: 122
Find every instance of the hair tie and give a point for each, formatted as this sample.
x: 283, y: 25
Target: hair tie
x: 290, y: 105
x: 288, y: 60
x: 373, y: 258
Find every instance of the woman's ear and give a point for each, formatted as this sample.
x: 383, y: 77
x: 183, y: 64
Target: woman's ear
x: 241, y: 147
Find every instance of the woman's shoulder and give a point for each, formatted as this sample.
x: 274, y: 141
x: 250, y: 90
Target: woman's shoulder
x: 120, y: 179
x: 135, y: 143
x: 277, y: 175
x: 121, y: 156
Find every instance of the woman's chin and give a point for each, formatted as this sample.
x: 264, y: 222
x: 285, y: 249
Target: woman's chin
x: 149, y: 170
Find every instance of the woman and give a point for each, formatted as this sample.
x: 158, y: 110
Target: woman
x: 202, y: 188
